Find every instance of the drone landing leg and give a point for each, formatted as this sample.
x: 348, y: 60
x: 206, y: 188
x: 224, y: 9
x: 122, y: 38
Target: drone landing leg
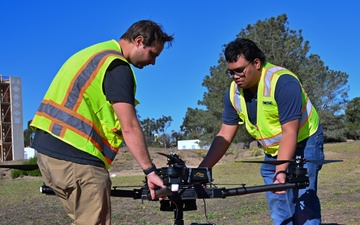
x: 178, y: 216
x: 178, y: 206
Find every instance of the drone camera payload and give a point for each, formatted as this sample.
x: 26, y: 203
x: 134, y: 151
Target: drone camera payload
x: 185, y: 175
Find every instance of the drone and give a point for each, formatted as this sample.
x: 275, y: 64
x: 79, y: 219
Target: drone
x: 184, y: 185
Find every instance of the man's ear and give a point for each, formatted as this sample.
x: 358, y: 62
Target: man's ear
x: 257, y: 63
x: 138, y: 41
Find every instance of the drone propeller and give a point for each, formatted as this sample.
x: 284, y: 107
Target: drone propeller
x: 172, y: 158
x: 271, y: 162
x: 279, y: 162
x: 322, y: 162
x: 28, y: 167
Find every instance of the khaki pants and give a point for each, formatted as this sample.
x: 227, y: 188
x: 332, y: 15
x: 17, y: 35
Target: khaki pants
x: 84, y: 190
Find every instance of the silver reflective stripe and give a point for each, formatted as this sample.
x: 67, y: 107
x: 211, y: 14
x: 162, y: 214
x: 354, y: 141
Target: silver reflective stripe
x: 304, y: 117
x: 267, y: 92
x: 75, y: 124
x: 306, y: 113
x: 237, y: 101
x: 87, y: 72
x: 268, y: 77
x: 272, y: 141
x: 56, y: 129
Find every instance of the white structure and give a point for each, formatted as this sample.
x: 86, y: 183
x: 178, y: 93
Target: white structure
x: 188, y: 144
x: 11, y: 119
x: 29, y: 153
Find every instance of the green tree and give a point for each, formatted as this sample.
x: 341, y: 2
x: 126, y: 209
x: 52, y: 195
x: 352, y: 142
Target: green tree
x: 334, y: 129
x: 197, y: 122
x: 154, y: 131
x: 352, y: 119
x: 28, y: 135
x: 148, y: 126
x: 282, y: 46
x: 175, y: 137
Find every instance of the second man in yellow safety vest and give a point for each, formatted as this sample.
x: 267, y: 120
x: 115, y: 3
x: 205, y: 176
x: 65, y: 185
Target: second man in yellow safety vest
x: 275, y: 110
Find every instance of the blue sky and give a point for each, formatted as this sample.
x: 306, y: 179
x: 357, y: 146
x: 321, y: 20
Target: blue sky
x: 36, y: 37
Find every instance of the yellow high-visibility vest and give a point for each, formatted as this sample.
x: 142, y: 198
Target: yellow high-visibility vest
x: 267, y: 129
x: 75, y: 109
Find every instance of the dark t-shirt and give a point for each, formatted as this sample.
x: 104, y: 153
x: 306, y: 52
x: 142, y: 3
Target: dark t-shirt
x: 118, y: 86
x: 287, y: 97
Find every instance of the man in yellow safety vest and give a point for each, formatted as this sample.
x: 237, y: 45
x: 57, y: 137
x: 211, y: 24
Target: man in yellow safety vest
x: 275, y: 110
x: 86, y: 114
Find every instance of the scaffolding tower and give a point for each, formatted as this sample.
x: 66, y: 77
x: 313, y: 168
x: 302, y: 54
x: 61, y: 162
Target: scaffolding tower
x: 11, y: 123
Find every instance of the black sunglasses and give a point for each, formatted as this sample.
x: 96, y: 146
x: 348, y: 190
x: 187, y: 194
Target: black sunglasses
x: 237, y: 71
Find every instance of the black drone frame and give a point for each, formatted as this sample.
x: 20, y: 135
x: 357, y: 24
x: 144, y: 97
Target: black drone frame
x: 184, y: 185
x: 185, y: 198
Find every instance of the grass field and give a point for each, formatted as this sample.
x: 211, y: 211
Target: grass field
x: 339, y: 192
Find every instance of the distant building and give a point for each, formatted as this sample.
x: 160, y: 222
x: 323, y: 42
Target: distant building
x: 29, y: 153
x: 188, y: 144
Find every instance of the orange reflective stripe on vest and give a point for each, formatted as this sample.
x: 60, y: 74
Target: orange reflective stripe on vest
x: 58, y: 127
x: 64, y: 116
x: 84, y: 77
x: 268, y: 128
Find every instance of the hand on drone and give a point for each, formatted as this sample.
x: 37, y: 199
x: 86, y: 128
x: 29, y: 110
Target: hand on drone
x: 279, y: 178
x: 154, y: 182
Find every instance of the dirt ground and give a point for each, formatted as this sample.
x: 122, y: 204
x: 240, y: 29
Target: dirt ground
x: 125, y: 165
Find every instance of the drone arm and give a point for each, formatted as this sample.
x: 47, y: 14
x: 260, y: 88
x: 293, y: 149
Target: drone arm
x: 270, y: 187
x: 163, y: 192
x: 27, y: 167
x: 136, y: 193
x: 197, y: 192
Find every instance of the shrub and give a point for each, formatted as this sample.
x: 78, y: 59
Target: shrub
x: 16, y: 173
x: 255, y: 152
x: 21, y: 173
x: 230, y: 151
x: 201, y: 153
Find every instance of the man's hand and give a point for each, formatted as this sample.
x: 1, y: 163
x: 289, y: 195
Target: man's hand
x: 279, y: 178
x: 154, y: 182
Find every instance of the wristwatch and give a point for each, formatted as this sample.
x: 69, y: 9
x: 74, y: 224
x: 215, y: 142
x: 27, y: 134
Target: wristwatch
x: 150, y: 170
